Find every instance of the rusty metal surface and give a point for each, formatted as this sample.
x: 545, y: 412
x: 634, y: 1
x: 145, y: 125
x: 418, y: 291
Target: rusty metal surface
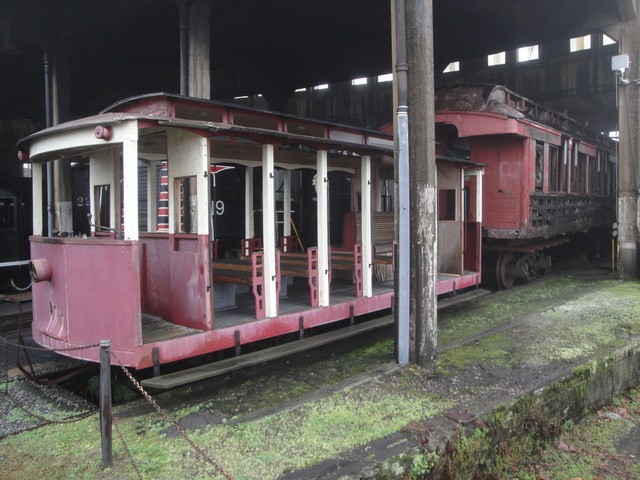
x: 461, y: 416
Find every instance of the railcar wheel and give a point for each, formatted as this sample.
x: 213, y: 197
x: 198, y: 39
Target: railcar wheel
x: 504, y: 270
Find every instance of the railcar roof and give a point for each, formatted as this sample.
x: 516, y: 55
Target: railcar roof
x: 499, y: 100
x: 161, y: 110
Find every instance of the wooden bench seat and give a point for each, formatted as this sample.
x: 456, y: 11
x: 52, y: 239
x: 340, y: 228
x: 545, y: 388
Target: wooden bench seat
x: 243, y: 272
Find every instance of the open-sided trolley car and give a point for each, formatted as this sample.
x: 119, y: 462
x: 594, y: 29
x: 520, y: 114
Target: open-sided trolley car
x: 214, y: 225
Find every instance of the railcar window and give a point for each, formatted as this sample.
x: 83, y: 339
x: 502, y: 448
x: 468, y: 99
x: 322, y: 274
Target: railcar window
x: 153, y: 198
x: 102, y: 212
x: 153, y: 186
x: 582, y: 170
x: 593, y: 175
x: 186, y: 205
x: 7, y: 210
x: 539, y: 166
x: 554, y: 169
x: 446, y: 205
x: 387, y: 196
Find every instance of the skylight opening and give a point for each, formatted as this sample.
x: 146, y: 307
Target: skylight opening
x: 452, y: 67
x: 359, y: 81
x: 387, y: 77
x: 298, y: 90
x: 324, y: 86
x: 499, y: 58
x: 578, y: 44
x: 526, y: 54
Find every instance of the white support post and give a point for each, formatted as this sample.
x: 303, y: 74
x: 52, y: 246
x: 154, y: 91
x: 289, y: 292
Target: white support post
x: 37, y: 199
x: 130, y: 183
x: 367, y: 247
x: 322, y: 189
x: 478, y: 174
x: 249, y: 227
x: 203, y: 194
x: 268, y: 230
x: 286, y: 217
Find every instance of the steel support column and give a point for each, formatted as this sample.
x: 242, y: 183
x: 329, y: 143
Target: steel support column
x: 401, y: 129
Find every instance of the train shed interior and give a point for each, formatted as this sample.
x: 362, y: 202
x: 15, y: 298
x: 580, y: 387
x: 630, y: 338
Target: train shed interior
x: 329, y: 60
x: 269, y: 51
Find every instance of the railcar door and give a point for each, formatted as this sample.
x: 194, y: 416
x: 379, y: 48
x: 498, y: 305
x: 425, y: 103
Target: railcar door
x: 450, y: 233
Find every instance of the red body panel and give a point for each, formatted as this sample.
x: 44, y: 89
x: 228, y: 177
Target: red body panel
x: 94, y: 294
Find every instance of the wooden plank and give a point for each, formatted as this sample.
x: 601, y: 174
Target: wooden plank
x: 383, y: 259
x: 222, y: 367
x: 239, y: 265
x: 292, y: 271
x: 232, y: 279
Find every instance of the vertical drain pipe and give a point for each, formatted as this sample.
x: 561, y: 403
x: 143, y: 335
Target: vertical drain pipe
x: 184, y: 47
x: 48, y: 113
x: 402, y: 138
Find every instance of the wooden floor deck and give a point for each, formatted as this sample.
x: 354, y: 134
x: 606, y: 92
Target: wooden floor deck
x: 156, y: 329
x: 297, y: 300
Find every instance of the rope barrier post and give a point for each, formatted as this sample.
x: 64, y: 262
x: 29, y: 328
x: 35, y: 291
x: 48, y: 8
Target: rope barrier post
x: 105, y: 403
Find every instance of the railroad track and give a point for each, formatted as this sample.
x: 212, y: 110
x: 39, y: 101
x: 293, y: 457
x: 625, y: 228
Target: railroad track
x: 15, y: 312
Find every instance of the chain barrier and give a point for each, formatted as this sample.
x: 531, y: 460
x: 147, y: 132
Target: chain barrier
x: 127, y: 451
x: 204, y: 456
x: 44, y: 349
x: 18, y: 347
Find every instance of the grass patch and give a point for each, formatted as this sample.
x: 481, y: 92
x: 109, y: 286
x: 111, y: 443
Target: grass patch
x: 265, y: 448
x: 468, y: 320
x: 488, y: 350
x: 591, y: 449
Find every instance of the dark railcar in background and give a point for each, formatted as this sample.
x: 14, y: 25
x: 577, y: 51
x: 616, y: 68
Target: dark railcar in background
x: 548, y: 179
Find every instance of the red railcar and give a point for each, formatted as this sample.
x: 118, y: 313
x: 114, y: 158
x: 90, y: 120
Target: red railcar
x: 214, y: 226
x: 546, y: 177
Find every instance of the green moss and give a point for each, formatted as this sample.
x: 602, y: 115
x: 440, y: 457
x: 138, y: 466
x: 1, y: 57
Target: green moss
x: 488, y: 351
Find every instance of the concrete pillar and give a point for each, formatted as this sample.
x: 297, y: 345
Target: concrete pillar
x: 199, y: 56
x: 629, y: 149
x: 422, y: 185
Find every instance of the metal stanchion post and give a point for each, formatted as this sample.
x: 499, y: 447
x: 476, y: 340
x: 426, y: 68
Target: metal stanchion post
x: 105, y: 402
